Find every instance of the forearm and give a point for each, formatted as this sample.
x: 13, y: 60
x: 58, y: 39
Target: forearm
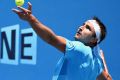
x: 44, y: 32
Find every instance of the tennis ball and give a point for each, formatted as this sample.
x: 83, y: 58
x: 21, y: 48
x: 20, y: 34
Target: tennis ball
x: 19, y: 2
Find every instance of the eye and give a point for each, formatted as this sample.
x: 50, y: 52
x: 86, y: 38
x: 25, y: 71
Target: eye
x: 88, y: 27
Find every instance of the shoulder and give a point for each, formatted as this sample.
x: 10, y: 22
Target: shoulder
x: 77, y: 46
x: 73, y: 44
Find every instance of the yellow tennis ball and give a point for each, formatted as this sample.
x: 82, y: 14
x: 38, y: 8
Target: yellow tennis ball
x: 19, y: 2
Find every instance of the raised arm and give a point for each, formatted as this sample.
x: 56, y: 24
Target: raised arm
x: 43, y: 31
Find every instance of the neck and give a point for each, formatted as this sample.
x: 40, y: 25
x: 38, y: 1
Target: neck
x: 90, y: 44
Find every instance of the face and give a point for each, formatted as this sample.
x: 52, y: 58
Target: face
x: 85, y: 33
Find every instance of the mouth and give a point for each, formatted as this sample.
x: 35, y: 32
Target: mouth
x: 79, y: 32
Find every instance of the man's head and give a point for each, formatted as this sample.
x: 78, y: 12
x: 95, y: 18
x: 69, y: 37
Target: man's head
x: 92, y: 32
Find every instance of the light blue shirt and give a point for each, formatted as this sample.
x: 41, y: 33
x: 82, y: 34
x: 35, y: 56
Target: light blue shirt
x: 78, y: 63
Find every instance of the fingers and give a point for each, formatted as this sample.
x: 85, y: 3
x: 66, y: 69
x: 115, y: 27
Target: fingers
x: 29, y: 6
x: 23, y: 9
x: 26, y: 10
x: 16, y: 11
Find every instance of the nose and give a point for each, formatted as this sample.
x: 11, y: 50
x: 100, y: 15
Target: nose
x: 80, y: 28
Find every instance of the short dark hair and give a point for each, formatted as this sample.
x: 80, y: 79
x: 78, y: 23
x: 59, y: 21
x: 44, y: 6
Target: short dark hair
x: 102, y: 27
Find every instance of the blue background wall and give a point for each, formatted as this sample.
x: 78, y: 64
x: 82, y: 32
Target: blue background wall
x: 63, y: 17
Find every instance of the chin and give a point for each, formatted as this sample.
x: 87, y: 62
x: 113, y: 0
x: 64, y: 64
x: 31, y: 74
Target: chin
x: 76, y: 39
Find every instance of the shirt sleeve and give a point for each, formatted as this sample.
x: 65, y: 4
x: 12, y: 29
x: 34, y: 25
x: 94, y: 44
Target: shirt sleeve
x: 69, y: 46
x: 75, y: 46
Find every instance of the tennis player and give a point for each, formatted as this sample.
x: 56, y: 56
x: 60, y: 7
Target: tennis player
x: 82, y: 58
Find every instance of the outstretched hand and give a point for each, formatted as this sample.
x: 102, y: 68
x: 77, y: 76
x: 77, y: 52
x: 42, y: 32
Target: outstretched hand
x: 23, y: 13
